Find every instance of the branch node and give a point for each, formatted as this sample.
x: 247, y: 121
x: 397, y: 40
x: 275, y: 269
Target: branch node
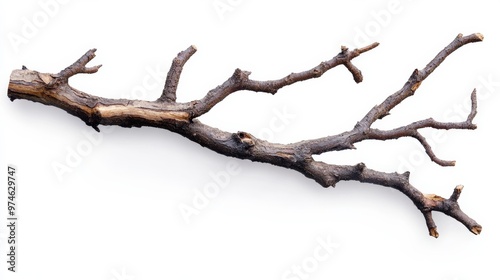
x: 356, y: 73
x: 433, y: 232
x: 431, y: 226
x: 240, y: 76
x: 244, y: 138
x: 360, y: 167
x: 384, y: 115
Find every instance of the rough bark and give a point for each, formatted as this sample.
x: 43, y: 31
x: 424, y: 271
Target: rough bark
x: 181, y: 118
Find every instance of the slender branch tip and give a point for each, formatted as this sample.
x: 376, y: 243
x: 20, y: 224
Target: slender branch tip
x: 456, y: 193
x: 369, y: 47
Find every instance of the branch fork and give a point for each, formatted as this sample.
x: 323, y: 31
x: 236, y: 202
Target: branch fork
x: 181, y: 118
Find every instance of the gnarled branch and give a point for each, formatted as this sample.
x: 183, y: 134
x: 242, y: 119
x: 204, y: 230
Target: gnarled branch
x: 181, y: 118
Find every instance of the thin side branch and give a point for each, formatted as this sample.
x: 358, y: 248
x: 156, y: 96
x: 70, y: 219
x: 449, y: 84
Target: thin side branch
x: 167, y: 113
x: 79, y: 66
x: 174, y: 74
x: 411, y: 130
x: 240, y: 79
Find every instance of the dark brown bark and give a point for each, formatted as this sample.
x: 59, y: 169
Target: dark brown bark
x: 53, y: 89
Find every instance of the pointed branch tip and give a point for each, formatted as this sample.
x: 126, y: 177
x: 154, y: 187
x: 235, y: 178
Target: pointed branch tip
x: 369, y: 47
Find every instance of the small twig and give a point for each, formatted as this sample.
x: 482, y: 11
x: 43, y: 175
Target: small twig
x: 79, y: 66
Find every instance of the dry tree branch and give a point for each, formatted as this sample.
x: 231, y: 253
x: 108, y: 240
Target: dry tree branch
x: 53, y: 89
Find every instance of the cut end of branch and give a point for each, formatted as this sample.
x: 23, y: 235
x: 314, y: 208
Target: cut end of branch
x: 479, y: 36
x: 356, y: 73
x: 476, y: 37
x: 473, y: 110
x: 433, y: 232
x: 446, y: 162
x: 240, y: 75
x: 430, y: 224
x: 476, y: 230
x: 456, y: 193
x: 88, y: 56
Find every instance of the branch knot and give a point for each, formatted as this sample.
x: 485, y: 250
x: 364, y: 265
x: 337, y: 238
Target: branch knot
x: 245, y: 139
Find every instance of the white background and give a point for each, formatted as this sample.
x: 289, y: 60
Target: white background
x: 116, y: 214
